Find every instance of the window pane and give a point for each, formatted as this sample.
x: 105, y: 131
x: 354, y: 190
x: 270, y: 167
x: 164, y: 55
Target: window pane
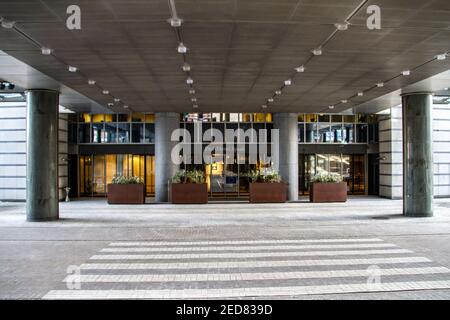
x: 301, y: 117
x: 310, y: 132
x: 84, y: 117
x: 149, y: 133
x: 310, y: 117
x: 361, y: 133
x: 336, y: 118
x: 97, y: 132
x: 324, y: 118
x: 301, y: 133
x: 98, y: 118
x: 324, y: 134
x: 137, y: 133
x: 337, y: 133
x: 124, y: 132
x: 110, y: 135
x: 138, y: 117
x: 349, y: 136
x: 150, y: 118
x: 110, y: 118
x: 361, y: 118
x: 124, y: 117
x: 349, y: 118
x: 84, y: 133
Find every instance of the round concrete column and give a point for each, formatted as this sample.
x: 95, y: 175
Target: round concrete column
x: 42, y: 155
x: 287, y: 124
x: 417, y: 155
x: 165, y: 124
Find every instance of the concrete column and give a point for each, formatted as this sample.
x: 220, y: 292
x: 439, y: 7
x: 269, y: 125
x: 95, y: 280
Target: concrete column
x: 42, y: 155
x: 287, y: 124
x: 417, y: 155
x: 165, y: 124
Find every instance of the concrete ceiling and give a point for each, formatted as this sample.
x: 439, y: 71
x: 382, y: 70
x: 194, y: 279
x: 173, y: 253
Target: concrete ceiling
x: 240, y: 51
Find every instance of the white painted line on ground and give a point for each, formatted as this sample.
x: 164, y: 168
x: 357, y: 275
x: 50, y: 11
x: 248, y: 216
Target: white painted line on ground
x: 251, y: 264
x: 214, y: 277
x: 250, y: 248
x: 245, y: 292
x: 234, y: 255
x: 235, y: 242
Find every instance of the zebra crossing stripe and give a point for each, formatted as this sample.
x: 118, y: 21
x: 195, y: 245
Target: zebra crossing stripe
x: 246, y: 292
x: 249, y: 248
x: 235, y: 242
x: 139, y: 278
x: 252, y: 264
x: 233, y: 255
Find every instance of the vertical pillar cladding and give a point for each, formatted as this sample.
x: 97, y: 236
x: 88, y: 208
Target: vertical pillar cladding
x: 417, y: 155
x: 287, y: 124
x: 165, y: 124
x: 42, y: 155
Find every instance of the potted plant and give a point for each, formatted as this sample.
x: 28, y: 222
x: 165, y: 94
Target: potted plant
x: 189, y: 187
x: 266, y: 187
x: 126, y: 190
x: 328, y: 188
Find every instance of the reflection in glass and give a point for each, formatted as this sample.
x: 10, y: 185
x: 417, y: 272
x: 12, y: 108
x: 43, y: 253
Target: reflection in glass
x: 361, y: 133
x: 110, y: 135
x: 124, y: 133
x: 310, y: 132
x: 97, y: 132
x: 324, y: 134
x: 149, y: 133
x: 337, y: 133
x: 349, y: 133
x: 137, y: 133
x: 301, y: 133
x: 84, y: 133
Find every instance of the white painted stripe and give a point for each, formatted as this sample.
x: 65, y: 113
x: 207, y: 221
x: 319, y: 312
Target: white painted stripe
x: 245, y: 292
x: 251, y: 276
x: 251, y: 248
x: 251, y: 264
x: 234, y: 255
x: 235, y: 242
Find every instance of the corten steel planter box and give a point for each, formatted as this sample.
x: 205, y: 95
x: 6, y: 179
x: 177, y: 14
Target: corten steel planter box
x: 265, y: 192
x: 126, y: 194
x: 189, y: 193
x: 328, y: 192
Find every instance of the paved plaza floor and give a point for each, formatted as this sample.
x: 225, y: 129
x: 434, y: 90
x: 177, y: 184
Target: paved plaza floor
x: 363, y: 249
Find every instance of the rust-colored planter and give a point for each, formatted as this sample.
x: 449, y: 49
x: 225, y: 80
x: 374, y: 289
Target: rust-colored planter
x: 126, y: 194
x: 189, y: 193
x: 264, y: 192
x: 328, y: 192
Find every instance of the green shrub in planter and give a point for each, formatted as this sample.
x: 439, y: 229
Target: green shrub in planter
x: 189, y: 176
x: 270, y: 176
x: 327, y: 178
x: 127, y: 180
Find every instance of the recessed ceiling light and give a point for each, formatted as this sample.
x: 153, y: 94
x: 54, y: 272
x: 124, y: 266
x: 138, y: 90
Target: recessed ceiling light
x: 195, y: 106
x: 8, y: 24
x: 278, y: 92
x: 186, y: 67
x: 175, y: 22
x: 194, y: 99
x: 125, y: 107
x: 116, y: 100
x: 441, y: 56
x: 182, y: 48
x: 406, y: 72
x: 360, y: 94
x: 380, y: 85
x: 341, y: 26
x: 331, y: 107
x: 317, y: 52
x: 105, y: 92
x: 288, y: 82
x: 91, y: 82
x: 192, y: 91
x: 46, y: 51
x: 300, y: 69
x: 264, y: 106
x: 72, y: 69
x: 270, y: 100
x: 189, y: 80
x: 344, y: 101
x: 110, y: 105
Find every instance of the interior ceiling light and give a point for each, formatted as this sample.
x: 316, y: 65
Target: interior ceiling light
x: 270, y: 100
x: 380, y: 85
x: 331, y: 107
x: 125, y: 107
x: 105, y: 92
x: 288, y: 82
x: 192, y: 91
x: 8, y: 24
x: 300, y: 69
x: 110, y: 105
x: 72, y: 69
x: 344, y: 101
x: 317, y: 52
x: 186, y: 67
x: 91, y: 82
x: 189, y: 80
x: 175, y: 22
x: 360, y: 94
x: 116, y: 100
x: 46, y: 51
x: 194, y: 99
x: 264, y: 106
x: 182, y: 48
x: 195, y: 106
x: 406, y: 72
x: 341, y: 26
x: 441, y: 56
x: 278, y: 92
